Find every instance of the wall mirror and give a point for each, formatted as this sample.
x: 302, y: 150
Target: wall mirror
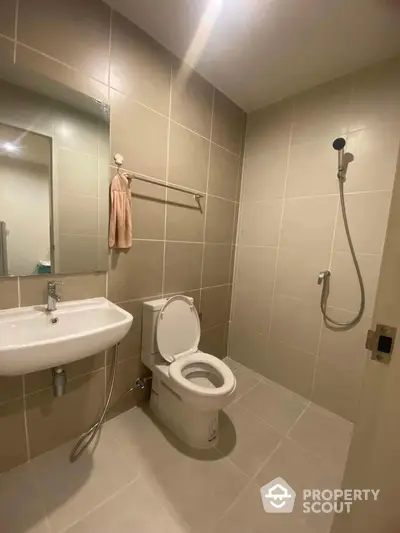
x: 54, y: 166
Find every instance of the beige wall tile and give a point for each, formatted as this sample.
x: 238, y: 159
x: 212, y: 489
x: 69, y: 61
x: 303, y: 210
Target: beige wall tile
x: 6, y: 52
x: 367, y: 232
x: 10, y: 387
x: 7, y: 18
x: 34, y: 289
x: 148, y: 210
x: 309, y: 223
x: 375, y: 153
x: 43, y: 379
x: 136, y: 273
x: 8, y: 293
x: 192, y: 98
x: 344, y: 286
x: 220, y: 220
x: 78, y: 253
x: 140, y: 67
x: 345, y: 349
x: 127, y: 372
x: 191, y: 294
x: 215, y: 306
x: 292, y: 368
x: 336, y: 389
x: 251, y: 312
x: 215, y: 340
x: 78, y: 214
x: 52, y: 421
x: 322, y: 111
x: 68, y: 76
x: 376, y: 99
x: 217, y: 264
x: 185, y: 221
x: 248, y: 347
x: 140, y: 135
x: 188, y: 158
x: 12, y: 428
x: 312, y: 169
x: 81, y: 41
x: 264, y: 175
x: 182, y: 267
x: 255, y: 269
x: 297, y: 272
x: 268, y: 130
x: 229, y: 124
x: 224, y: 173
x: 260, y: 223
x: 296, y: 322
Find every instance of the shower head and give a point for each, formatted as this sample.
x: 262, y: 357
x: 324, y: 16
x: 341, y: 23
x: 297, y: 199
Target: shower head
x: 339, y: 144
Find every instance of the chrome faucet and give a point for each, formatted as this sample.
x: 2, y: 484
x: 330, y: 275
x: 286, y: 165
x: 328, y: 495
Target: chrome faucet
x: 52, y: 296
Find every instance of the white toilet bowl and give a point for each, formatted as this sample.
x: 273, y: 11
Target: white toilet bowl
x: 189, y: 386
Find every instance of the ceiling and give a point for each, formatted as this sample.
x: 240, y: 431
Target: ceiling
x: 260, y: 51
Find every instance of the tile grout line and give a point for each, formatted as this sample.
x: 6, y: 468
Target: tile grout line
x: 27, y: 444
x: 273, y: 294
x: 101, y: 504
x: 321, y: 323
x: 235, y: 246
x: 16, y: 30
x: 167, y: 181
x: 110, y: 87
x: 251, y: 480
x: 206, y: 200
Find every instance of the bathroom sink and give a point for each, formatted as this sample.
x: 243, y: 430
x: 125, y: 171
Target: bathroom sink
x: 32, y: 339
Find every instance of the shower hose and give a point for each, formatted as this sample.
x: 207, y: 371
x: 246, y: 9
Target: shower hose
x: 87, y: 438
x: 325, y: 287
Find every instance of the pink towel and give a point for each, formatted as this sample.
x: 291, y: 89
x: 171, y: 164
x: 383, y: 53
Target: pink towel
x: 120, y: 232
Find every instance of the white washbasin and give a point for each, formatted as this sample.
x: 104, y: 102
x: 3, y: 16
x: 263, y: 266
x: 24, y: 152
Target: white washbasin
x: 31, y: 339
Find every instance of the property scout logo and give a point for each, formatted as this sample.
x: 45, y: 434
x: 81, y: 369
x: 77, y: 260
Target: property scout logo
x: 279, y: 497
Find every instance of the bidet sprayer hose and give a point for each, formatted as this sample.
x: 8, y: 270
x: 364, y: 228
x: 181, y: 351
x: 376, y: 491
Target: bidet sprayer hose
x: 325, y: 281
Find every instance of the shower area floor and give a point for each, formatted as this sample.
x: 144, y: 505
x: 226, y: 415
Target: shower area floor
x: 142, y: 479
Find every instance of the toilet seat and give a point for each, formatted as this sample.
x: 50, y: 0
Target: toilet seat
x: 198, y: 378
x: 210, y: 365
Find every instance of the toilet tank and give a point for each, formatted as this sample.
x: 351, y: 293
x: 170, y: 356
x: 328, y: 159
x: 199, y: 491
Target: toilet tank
x: 150, y: 313
x: 149, y: 322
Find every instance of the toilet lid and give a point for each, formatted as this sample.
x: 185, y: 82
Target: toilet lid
x: 178, y: 328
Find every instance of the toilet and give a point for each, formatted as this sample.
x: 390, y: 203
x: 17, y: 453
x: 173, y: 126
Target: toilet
x: 189, y: 387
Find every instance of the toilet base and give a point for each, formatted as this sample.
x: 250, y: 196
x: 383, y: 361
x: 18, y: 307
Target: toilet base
x: 199, y: 429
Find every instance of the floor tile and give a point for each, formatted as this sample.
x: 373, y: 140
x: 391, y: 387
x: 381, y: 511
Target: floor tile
x: 245, y: 439
x: 198, y: 491
x: 245, y: 380
x: 134, y: 508
x: 21, y: 510
x: 301, y: 469
x: 195, y: 485
x: 233, y: 365
x: 323, y: 433
x: 276, y: 405
x: 69, y: 491
x: 247, y: 515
